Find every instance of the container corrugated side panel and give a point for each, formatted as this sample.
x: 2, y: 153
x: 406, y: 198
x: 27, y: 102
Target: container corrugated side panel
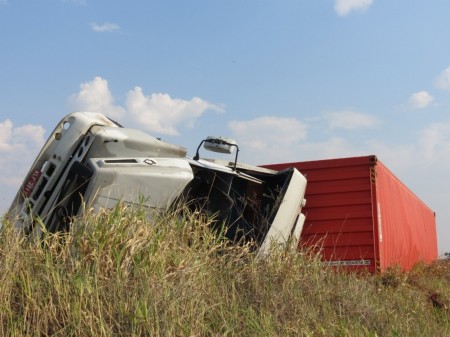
x: 408, y: 226
x: 339, y: 210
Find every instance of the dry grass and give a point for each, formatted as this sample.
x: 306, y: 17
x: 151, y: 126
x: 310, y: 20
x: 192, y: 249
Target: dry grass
x: 117, y: 274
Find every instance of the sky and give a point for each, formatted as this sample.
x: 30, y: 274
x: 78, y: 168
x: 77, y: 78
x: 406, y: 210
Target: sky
x: 289, y: 80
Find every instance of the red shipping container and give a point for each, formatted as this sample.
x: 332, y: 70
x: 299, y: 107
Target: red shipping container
x: 359, y: 215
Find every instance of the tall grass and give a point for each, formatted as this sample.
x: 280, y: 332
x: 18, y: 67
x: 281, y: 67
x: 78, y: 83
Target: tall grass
x: 118, y: 274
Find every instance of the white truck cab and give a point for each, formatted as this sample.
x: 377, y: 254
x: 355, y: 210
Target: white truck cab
x: 91, y: 160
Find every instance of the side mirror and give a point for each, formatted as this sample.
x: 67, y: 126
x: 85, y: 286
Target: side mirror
x: 218, y: 145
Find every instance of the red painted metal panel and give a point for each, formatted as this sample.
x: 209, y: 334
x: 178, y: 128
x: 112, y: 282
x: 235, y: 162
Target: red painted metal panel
x: 359, y: 215
x: 339, y: 215
x: 408, y: 227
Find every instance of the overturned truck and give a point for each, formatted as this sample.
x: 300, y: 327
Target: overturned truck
x: 91, y: 160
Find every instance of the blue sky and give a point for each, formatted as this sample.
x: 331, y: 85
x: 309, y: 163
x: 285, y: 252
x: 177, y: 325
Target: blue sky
x: 289, y: 80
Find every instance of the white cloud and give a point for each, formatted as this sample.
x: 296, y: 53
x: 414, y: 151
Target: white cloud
x: 105, y: 28
x: 21, y: 138
x: 269, y: 129
x: 6, y: 128
x: 18, y: 148
x: 25, y: 140
x: 399, y: 157
x: 334, y: 147
x: 420, y: 100
x: 272, y: 139
x: 163, y: 114
x: 443, y: 80
x: 157, y: 112
x: 95, y: 96
x: 350, y: 120
x: 29, y: 137
x: 344, y: 7
x: 268, y: 138
x: 434, y: 142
